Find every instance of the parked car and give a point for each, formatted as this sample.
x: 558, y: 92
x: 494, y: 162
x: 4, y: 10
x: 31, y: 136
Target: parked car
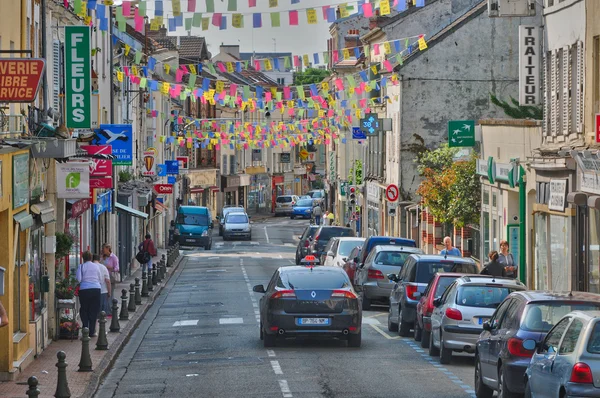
x: 237, y: 225
x: 302, y: 209
x: 436, y: 287
x: 338, y: 249
x: 303, y: 248
x: 373, y: 241
x: 317, y: 195
x: 500, y: 358
x: 412, y: 282
x: 224, y: 211
x: 567, y: 362
x: 371, y: 277
x: 284, y: 204
x: 303, y: 301
x: 193, y: 226
x: 322, y: 236
x: 351, y: 263
x: 459, y: 314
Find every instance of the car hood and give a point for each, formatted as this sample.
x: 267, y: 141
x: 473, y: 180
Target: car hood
x: 192, y: 229
x: 302, y: 208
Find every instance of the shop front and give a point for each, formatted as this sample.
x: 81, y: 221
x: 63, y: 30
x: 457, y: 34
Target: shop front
x: 373, y: 213
x: 278, y: 188
x: 78, y: 225
x: 259, y: 190
x: 288, y: 184
x: 205, y: 188
x: 230, y: 185
x: 132, y: 227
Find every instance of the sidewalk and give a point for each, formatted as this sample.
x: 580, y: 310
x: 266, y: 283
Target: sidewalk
x: 84, y: 384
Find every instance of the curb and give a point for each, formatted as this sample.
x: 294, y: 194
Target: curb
x: 117, y: 346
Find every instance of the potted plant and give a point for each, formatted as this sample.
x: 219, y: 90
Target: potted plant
x: 64, y: 243
x: 68, y: 328
x: 65, y: 288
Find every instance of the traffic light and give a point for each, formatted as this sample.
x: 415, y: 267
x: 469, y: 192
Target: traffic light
x: 352, y: 195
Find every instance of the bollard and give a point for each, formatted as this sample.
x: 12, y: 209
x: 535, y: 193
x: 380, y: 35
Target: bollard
x: 138, y: 296
x: 85, y: 362
x: 62, y: 385
x: 124, y: 315
x: 150, y: 285
x: 102, y: 342
x: 114, y: 322
x: 131, y: 306
x: 33, y: 391
x: 144, y: 284
x: 163, y: 269
x: 154, y: 278
x: 164, y: 260
x: 159, y: 272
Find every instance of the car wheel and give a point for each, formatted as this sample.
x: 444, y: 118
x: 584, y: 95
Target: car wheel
x: 366, y: 303
x: 292, y: 216
x: 433, y: 350
x: 269, y: 340
x: 445, y: 353
x: 418, y: 332
x: 481, y: 390
x: 503, y: 391
x: 403, y: 327
x: 392, y: 327
x: 354, y: 340
x: 425, y: 337
x: 297, y: 259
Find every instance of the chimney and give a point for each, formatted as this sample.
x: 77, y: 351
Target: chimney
x: 230, y: 49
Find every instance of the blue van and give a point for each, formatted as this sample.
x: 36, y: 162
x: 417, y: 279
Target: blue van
x: 373, y: 241
x: 193, y: 226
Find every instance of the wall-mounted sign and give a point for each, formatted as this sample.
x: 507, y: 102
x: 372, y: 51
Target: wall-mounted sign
x: 358, y: 134
x: 79, y: 207
x: 149, y: 168
x: 73, y: 180
x: 172, y: 167
x: 184, y: 162
x: 99, y: 167
x: 256, y: 155
x: 78, y: 77
x: 461, y: 133
x: 20, y: 174
x: 20, y: 79
x: 163, y: 189
x: 285, y: 158
x: 558, y: 194
x: 120, y: 137
x: 529, y: 65
x: 103, y: 204
x: 101, y: 182
x: 482, y: 167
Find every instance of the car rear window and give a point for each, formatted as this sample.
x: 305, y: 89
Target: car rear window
x: 391, y: 258
x: 328, y: 233
x: 309, y: 232
x: 346, y: 247
x: 314, y: 279
x: 426, y: 269
x: 541, y: 317
x: 304, y: 203
x: 284, y: 199
x: 316, y: 194
x: 594, y: 343
x: 482, y: 296
x: 443, y: 284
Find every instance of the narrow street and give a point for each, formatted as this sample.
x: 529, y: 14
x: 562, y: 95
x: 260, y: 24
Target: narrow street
x: 201, y: 338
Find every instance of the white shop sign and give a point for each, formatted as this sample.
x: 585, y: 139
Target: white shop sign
x: 373, y: 192
x: 558, y: 194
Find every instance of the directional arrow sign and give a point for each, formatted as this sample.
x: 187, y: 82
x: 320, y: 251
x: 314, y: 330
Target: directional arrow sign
x: 371, y: 124
x: 461, y: 133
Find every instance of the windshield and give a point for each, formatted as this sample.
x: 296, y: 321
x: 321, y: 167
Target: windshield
x: 483, y: 296
x: 314, y: 279
x: 426, y: 270
x: 346, y: 247
x: 333, y: 232
x: 541, y: 317
x: 304, y: 203
x: 443, y: 284
x: 391, y: 258
x: 192, y: 219
x: 284, y: 199
x: 228, y: 210
x: 237, y: 219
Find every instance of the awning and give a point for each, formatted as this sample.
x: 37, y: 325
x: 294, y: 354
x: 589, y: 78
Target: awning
x: 44, y: 210
x: 24, y: 219
x: 131, y: 211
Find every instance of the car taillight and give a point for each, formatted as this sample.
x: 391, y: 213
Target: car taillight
x: 293, y: 203
x: 410, y: 291
x: 374, y: 274
x: 453, y: 313
x: 581, y: 373
x: 343, y: 294
x: 283, y: 294
x: 515, y: 347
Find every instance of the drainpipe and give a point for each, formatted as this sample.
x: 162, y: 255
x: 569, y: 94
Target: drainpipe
x: 522, y: 227
x: 44, y: 49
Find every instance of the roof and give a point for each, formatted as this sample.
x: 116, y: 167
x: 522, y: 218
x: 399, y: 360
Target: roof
x: 191, y: 48
x: 395, y: 248
x: 437, y: 257
x: 464, y: 279
x: 249, y: 56
x: 541, y: 295
x: 320, y: 268
x: 348, y: 238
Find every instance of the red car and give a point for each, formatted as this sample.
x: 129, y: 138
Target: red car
x: 351, y: 264
x: 425, y: 307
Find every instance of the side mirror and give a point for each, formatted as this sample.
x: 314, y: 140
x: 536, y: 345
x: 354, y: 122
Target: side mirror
x: 249, y: 217
x: 487, y: 326
x: 344, y: 258
x: 393, y: 277
x: 330, y: 254
x: 437, y: 302
x: 529, y: 344
x: 212, y: 225
x: 361, y: 265
x: 259, y: 289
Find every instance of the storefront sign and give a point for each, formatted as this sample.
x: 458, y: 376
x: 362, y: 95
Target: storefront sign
x: 73, y: 180
x: 256, y: 155
x: 120, y: 137
x: 589, y: 182
x: 20, y: 174
x: 149, y: 168
x: 461, y: 133
x: 163, y: 189
x: 482, y: 167
x: 373, y: 192
x: 332, y: 166
x: 172, y: 167
x: 79, y: 207
x: 558, y: 194
x: 529, y: 65
x: 78, y: 77
x: 20, y: 79
x: 183, y: 162
x: 99, y: 167
x: 503, y: 171
x: 101, y: 182
x: 103, y: 204
x: 285, y: 158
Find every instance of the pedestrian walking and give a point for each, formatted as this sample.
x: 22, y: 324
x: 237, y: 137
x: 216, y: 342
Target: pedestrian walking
x: 3, y: 316
x: 172, y: 233
x: 506, y: 258
x: 493, y: 267
x: 111, y: 262
x: 148, y: 246
x: 449, y: 249
x: 90, y: 285
x: 105, y: 287
x: 317, y: 212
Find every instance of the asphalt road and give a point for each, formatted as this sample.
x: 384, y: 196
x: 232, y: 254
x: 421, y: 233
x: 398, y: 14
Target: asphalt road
x: 201, y: 339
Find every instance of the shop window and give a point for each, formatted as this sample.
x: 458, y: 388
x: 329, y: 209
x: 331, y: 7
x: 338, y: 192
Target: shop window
x: 494, y: 199
x: 36, y: 271
x: 486, y: 234
x: 560, y: 252
x: 594, y: 252
x: 16, y: 315
x: 541, y: 250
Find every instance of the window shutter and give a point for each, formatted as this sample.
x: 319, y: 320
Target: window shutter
x: 225, y: 170
x: 566, y: 90
x: 56, y: 73
x: 546, y: 73
x: 579, y: 76
x: 232, y: 165
x: 553, y: 92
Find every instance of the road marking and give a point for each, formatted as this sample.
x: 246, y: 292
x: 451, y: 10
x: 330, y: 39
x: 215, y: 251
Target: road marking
x: 254, y: 243
x: 192, y: 375
x: 216, y: 270
x: 384, y: 334
x: 370, y: 321
x: 213, y: 258
x: 285, y: 389
x: 271, y: 353
x: 291, y: 262
x: 280, y: 256
x: 230, y: 321
x: 266, y: 234
x: 189, y: 322
x: 276, y: 367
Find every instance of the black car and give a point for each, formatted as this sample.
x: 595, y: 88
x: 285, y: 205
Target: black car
x: 309, y: 302
x: 304, y: 245
x: 322, y: 237
x: 500, y: 358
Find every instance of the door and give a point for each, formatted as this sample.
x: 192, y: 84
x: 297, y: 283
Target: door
x: 438, y: 313
x: 560, y: 372
x: 508, y: 326
x: 543, y: 360
x: 485, y: 341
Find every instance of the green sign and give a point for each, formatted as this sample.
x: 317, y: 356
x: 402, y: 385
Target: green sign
x: 343, y: 186
x: 461, y: 133
x: 513, y: 238
x: 78, y: 77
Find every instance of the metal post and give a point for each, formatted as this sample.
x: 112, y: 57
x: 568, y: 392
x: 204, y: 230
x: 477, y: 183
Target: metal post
x: 522, y: 229
x: 144, y: 284
x: 102, y: 342
x: 138, y: 296
x: 33, y: 391
x: 131, y: 306
x: 150, y: 285
x: 62, y: 384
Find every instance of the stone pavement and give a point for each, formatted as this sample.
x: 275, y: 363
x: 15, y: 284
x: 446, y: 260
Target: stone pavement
x: 84, y: 384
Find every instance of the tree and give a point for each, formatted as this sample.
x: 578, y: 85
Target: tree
x: 517, y: 111
x: 358, y: 164
x: 310, y: 76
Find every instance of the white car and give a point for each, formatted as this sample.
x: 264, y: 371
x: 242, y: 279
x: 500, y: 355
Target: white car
x: 338, y: 250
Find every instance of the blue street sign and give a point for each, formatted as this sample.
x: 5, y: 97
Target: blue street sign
x: 371, y: 124
x: 120, y: 137
x: 171, y: 180
x: 358, y: 134
x: 161, y: 170
x: 172, y: 166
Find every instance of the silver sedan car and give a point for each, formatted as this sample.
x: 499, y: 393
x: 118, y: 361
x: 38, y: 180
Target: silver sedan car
x: 459, y: 313
x: 567, y: 362
x: 237, y: 225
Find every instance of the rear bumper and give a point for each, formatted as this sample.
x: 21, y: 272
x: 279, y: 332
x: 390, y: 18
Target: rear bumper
x: 337, y: 325
x: 283, y: 210
x: 187, y: 240
x: 229, y: 234
x: 301, y: 214
x: 581, y: 390
x: 409, y: 311
x: 461, y: 339
x: 375, y: 292
x: 514, y: 371
x: 427, y: 323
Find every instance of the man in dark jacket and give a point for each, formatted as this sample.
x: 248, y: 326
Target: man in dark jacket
x: 493, y: 267
x: 148, y: 245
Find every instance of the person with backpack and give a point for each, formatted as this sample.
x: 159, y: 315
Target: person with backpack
x: 147, y: 250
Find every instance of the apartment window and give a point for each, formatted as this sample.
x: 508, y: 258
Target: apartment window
x: 28, y: 35
x: 281, y: 81
x: 232, y: 165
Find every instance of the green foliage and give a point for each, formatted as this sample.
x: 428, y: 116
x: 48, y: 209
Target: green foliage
x: 64, y: 243
x: 438, y: 160
x: 517, y: 111
x: 359, y: 177
x: 310, y: 76
x: 125, y: 176
x: 465, y: 205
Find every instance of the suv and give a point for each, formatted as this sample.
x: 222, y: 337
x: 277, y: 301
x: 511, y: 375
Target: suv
x: 284, y: 204
x: 373, y: 241
x: 303, y: 247
x: 412, y: 281
x: 322, y: 236
x: 226, y: 210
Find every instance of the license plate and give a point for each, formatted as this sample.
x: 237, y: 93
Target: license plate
x: 314, y: 321
x: 190, y: 240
